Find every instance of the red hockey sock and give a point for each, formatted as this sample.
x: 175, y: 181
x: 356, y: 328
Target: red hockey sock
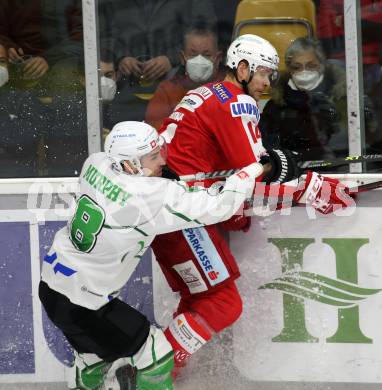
x: 186, y: 335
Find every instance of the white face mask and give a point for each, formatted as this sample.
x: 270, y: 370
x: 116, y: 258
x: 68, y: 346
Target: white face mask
x: 108, y: 88
x: 199, y: 69
x: 4, y: 76
x: 307, y: 80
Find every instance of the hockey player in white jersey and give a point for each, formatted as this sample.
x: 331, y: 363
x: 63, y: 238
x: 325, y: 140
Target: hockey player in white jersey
x: 122, y: 204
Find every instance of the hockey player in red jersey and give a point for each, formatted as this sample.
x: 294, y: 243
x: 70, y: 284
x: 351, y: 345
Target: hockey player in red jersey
x: 215, y: 127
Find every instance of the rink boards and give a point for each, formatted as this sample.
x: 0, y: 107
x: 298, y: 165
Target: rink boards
x: 312, y: 294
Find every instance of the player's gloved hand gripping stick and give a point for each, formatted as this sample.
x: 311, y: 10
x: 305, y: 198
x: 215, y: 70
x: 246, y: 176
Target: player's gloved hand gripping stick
x: 322, y: 193
x: 302, y: 166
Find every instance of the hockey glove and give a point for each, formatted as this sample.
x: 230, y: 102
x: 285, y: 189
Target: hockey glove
x: 284, y: 166
x: 323, y: 193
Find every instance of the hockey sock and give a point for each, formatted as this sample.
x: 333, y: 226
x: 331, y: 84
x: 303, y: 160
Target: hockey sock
x: 186, y: 335
x: 154, y: 362
x: 157, y: 376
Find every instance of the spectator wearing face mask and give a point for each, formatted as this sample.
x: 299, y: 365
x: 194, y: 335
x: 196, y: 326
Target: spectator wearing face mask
x: 200, y: 60
x: 147, y: 37
x: 308, y: 110
x: 108, y: 81
x: 4, y: 75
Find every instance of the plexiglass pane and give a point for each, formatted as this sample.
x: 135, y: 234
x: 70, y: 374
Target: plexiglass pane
x: 148, y: 43
x: 42, y: 88
x: 371, y: 30
x: 307, y: 110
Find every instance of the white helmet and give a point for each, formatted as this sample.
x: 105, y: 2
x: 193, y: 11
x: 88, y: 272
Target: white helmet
x: 130, y: 141
x: 255, y: 50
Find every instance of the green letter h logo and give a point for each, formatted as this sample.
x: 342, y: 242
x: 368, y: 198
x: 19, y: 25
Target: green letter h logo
x: 343, y: 292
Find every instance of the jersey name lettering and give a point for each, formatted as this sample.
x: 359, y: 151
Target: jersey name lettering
x: 248, y: 109
x: 105, y: 186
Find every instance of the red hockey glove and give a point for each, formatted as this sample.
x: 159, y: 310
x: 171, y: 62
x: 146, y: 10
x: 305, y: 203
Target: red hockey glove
x: 236, y: 223
x: 323, y: 193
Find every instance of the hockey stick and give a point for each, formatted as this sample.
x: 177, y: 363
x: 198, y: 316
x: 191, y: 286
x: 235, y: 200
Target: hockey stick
x: 304, y: 165
x: 336, y: 162
x: 291, y: 203
x: 369, y: 186
x: 209, y: 175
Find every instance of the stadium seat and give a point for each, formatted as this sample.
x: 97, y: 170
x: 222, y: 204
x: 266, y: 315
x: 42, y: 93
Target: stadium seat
x: 278, y: 21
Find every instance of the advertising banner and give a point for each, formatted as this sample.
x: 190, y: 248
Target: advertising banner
x: 312, y: 294
x: 311, y: 289
x: 31, y: 347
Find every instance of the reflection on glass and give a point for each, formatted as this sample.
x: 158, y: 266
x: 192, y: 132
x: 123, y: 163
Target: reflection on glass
x: 200, y: 58
x: 330, y: 25
x: 42, y: 93
x: 307, y: 110
x: 371, y: 23
x: 143, y: 39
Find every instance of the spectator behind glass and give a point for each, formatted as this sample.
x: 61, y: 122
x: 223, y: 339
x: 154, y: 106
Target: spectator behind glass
x: 37, y: 35
x: 308, y: 112
x: 200, y: 60
x: 108, y: 79
x: 305, y: 106
x: 155, y: 28
x: 43, y: 44
x: 331, y: 32
x: 4, y: 74
x: 147, y: 36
